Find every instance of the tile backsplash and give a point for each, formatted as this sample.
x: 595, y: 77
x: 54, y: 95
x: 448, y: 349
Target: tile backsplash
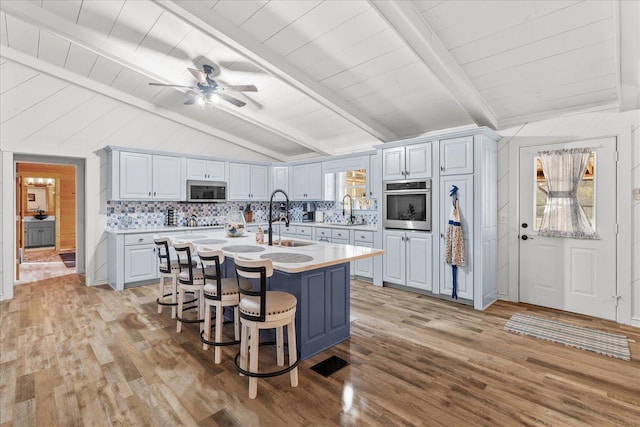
x: 132, y: 214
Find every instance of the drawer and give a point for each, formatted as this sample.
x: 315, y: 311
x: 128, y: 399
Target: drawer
x: 363, y: 236
x: 285, y: 230
x: 323, y: 232
x: 338, y: 234
x: 304, y: 231
x: 138, y: 239
x: 340, y: 241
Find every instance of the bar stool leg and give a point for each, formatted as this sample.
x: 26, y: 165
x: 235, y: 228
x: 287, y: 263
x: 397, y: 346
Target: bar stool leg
x: 236, y: 323
x: 291, y: 331
x: 207, y: 326
x: 174, y: 290
x: 244, y: 347
x: 219, y: 319
x: 160, y: 293
x: 253, y: 360
x: 201, y: 307
x: 280, y: 345
x: 180, y: 304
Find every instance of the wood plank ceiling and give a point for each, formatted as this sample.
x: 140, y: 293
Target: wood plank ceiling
x: 332, y: 77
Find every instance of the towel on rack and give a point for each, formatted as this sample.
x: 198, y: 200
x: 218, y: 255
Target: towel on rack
x: 454, y: 246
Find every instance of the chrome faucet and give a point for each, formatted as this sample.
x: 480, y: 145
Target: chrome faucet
x: 285, y: 216
x: 351, y: 216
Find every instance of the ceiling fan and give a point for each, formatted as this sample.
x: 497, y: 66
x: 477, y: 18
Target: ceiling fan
x: 207, y: 91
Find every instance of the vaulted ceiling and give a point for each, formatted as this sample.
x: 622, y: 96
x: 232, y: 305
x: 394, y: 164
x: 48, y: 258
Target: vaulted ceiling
x: 333, y: 77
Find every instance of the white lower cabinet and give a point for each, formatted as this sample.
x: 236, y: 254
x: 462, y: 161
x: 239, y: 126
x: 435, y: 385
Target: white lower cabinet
x: 363, y: 267
x: 133, y: 258
x: 408, y: 259
x: 140, y: 263
x: 140, y: 258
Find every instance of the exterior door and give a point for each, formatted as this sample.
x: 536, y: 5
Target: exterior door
x: 571, y: 274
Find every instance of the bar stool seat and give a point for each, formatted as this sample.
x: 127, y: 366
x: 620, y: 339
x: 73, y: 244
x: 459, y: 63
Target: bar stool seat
x: 219, y: 293
x: 262, y: 309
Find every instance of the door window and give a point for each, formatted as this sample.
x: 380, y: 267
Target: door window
x: 568, y: 199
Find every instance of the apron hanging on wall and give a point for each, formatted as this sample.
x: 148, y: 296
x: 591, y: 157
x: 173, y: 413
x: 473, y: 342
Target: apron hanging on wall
x: 454, y: 243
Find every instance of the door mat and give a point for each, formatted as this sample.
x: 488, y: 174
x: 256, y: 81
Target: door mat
x: 600, y: 342
x: 329, y: 366
x: 69, y: 259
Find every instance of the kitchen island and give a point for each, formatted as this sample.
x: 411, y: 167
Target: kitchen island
x: 317, y: 273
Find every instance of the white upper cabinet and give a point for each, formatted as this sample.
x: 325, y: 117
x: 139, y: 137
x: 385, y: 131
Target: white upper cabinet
x: 136, y: 176
x: 248, y: 182
x: 374, y: 174
x: 279, y: 180
x: 205, y: 170
x: 168, y: 181
x: 408, y: 162
x: 306, y: 182
x: 456, y: 156
x: 140, y: 176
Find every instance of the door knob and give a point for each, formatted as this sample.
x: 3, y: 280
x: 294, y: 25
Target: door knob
x: 525, y: 225
x: 525, y: 237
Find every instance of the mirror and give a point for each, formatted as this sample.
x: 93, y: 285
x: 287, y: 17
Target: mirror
x: 40, y: 195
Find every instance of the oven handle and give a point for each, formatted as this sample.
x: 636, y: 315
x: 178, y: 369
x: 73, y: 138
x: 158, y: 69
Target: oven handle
x: 407, y: 191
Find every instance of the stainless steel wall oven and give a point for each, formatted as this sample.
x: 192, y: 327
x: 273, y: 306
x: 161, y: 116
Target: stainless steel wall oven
x: 407, y: 204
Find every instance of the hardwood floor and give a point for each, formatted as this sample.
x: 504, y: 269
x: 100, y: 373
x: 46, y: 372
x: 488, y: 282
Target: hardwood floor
x: 76, y: 355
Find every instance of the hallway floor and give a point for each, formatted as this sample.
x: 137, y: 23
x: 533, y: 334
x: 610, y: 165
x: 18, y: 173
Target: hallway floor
x: 42, y: 263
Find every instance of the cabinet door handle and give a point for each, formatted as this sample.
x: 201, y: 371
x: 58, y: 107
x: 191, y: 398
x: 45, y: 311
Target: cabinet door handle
x: 406, y: 173
x: 441, y: 168
x: 149, y: 192
x: 141, y: 240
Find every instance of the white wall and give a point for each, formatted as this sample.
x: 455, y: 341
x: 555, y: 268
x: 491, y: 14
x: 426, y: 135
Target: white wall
x: 592, y: 125
x: 95, y: 205
x: 635, y: 250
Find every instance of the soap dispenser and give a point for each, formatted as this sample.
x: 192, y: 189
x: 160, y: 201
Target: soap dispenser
x: 260, y: 235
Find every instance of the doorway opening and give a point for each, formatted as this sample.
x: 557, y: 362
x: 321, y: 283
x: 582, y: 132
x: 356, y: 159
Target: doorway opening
x: 48, y: 217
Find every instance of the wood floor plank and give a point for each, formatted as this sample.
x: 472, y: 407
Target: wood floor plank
x: 77, y: 355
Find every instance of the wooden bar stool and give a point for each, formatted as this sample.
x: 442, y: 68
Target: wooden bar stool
x: 262, y: 309
x: 190, y: 279
x: 168, y: 270
x: 219, y: 293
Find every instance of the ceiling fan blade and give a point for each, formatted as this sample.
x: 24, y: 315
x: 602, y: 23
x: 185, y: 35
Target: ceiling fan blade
x: 199, y: 76
x: 232, y: 100
x: 239, y: 88
x: 168, y: 85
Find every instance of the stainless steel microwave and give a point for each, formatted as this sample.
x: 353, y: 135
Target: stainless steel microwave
x: 206, y: 191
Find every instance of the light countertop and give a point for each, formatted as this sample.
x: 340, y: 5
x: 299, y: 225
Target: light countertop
x: 166, y: 229
x: 322, y: 254
x: 34, y: 219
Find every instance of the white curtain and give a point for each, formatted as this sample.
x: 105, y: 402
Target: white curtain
x: 563, y: 215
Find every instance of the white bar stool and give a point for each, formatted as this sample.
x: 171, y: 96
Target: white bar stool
x: 219, y: 293
x: 262, y: 309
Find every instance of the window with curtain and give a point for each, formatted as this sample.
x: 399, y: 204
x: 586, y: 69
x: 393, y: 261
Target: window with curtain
x: 565, y: 193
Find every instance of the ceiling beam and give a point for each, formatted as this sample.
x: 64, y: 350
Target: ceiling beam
x: 198, y: 15
x: 107, y: 48
x: 404, y: 18
x: 86, y: 83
